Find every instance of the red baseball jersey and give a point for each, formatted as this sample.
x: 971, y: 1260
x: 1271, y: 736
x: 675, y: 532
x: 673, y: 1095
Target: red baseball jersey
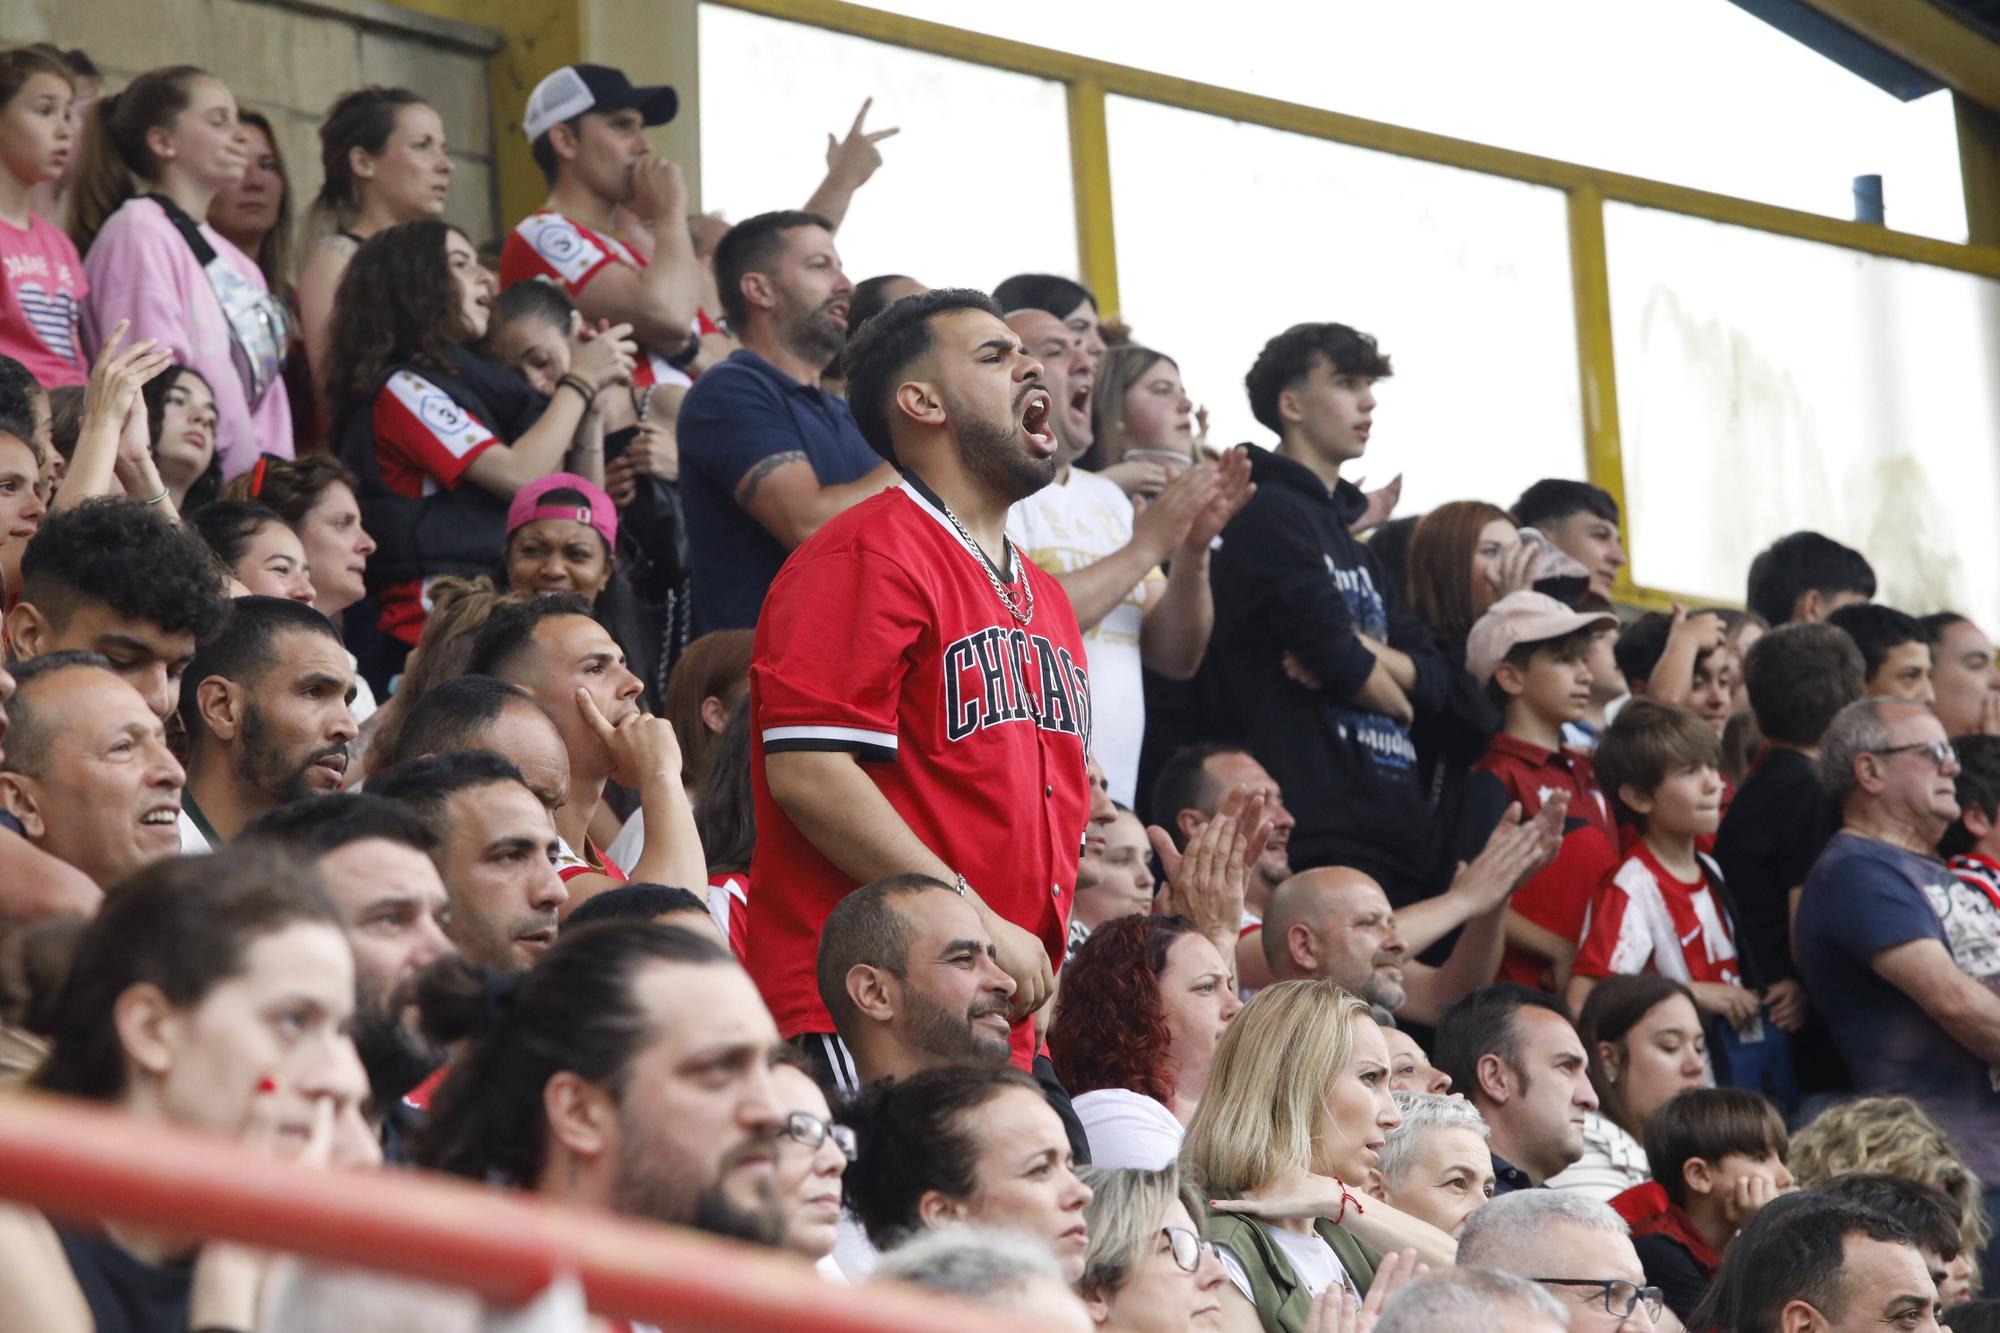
x: 884, y: 636
x: 549, y: 247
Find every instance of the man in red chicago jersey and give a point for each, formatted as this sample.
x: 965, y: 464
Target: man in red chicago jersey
x: 918, y: 698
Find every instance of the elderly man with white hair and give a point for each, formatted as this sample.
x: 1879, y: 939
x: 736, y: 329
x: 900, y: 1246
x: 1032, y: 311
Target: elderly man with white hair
x: 1435, y: 1165
x: 1899, y: 955
x: 1574, y: 1248
x: 1472, y: 1300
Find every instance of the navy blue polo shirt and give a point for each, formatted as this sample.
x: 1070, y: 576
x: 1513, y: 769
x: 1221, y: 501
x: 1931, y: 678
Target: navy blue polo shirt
x: 736, y: 416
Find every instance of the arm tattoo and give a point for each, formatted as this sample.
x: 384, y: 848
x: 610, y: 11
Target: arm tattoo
x: 746, y: 489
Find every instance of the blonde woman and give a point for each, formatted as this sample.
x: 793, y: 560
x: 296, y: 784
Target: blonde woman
x: 1895, y: 1136
x: 1298, y: 1106
x: 1141, y: 418
x: 1148, y: 1270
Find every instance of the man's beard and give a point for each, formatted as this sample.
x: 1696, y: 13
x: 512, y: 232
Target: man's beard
x: 265, y: 767
x: 994, y: 459
x: 810, y: 332
x: 937, y: 1030
x: 1384, y: 992
x: 396, y: 1059
x: 652, y: 1183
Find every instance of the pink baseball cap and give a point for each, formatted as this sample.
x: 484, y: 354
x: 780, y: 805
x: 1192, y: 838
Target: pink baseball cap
x: 597, y: 511
x: 1523, y: 617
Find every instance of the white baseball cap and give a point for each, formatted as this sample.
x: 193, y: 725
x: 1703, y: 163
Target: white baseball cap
x: 575, y: 89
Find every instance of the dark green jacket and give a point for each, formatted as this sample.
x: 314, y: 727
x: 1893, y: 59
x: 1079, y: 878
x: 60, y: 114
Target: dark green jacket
x: 1281, y: 1299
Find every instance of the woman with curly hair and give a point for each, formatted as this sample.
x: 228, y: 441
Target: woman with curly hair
x: 1894, y: 1136
x: 440, y: 438
x: 1142, y: 1008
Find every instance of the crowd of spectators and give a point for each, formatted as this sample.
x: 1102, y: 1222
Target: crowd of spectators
x: 855, y: 769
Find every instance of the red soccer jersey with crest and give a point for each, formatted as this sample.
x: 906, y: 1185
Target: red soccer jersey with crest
x: 549, y: 247
x: 884, y: 636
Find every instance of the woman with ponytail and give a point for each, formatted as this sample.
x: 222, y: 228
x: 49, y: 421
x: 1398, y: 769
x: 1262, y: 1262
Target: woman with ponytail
x: 382, y: 152
x: 153, y: 159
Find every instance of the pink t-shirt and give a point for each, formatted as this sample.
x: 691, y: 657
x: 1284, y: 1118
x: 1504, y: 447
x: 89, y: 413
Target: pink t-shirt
x: 142, y: 270
x: 42, y: 302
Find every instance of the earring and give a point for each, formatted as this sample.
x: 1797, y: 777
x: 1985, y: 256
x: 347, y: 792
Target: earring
x: 1610, y: 1076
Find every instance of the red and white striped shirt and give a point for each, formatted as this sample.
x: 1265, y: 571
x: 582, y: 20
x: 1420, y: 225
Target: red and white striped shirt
x: 1643, y: 919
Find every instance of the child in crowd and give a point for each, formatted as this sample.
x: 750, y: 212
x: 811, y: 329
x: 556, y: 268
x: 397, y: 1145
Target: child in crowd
x: 42, y: 302
x: 1666, y: 908
x: 1895, y: 651
x: 1532, y: 655
x: 1684, y: 659
x: 151, y: 259
x: 1717, y: 1156
x: 1971, y: 915
x: 1660, y: 911
x: 1607, y: 681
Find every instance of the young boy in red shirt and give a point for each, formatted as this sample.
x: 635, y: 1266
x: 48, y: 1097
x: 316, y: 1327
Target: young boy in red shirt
x: 1531, y: 653
x: 1663, y: 910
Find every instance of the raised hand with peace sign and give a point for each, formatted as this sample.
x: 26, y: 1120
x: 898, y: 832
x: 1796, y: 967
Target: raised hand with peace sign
x: 849, y: 164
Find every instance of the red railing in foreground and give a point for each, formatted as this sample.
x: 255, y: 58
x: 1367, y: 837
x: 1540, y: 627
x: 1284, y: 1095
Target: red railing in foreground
x: 79, y: 1161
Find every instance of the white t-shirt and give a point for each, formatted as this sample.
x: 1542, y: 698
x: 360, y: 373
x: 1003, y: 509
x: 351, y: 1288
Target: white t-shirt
x: 364, y: 705
x: 1062, y: 528
x: 630, y: 844
x: 1128, y: 1130
x: 853, y: 1253
x: 1612, y: 1162
x: 1313, y: 1262
x: 192, y: 841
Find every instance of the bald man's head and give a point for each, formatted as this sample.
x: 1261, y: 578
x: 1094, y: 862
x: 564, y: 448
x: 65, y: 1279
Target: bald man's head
x: 1336, y: 924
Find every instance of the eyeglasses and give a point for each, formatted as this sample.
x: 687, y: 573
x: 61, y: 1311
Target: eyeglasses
x: 1941, y: 752
x: 1620, y: 1297
x: 808, y: 1130
x: 1188, y: 1247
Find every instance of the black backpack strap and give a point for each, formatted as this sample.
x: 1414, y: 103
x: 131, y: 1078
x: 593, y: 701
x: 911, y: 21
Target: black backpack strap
x: 204, y: 253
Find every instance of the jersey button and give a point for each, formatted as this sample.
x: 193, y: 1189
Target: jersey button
x: 1048, y: 791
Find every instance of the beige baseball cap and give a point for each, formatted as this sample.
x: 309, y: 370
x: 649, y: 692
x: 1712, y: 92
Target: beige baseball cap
x: 1523, y: 617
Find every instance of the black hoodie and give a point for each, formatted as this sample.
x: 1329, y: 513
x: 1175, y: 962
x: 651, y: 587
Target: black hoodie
x: 1289, y: 577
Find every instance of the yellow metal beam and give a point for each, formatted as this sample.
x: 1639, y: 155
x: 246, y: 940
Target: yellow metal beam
x: 1090, y: 172
x: 1927, y: 37
x: 1125, y: 81
x: 1590, y: 284
x: 1979, y: 168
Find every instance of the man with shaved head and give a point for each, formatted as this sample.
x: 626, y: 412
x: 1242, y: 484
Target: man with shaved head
x: 265, y: 705
x: 1337, y: 925
x: 906, y: 970
x: 1083, y: 530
